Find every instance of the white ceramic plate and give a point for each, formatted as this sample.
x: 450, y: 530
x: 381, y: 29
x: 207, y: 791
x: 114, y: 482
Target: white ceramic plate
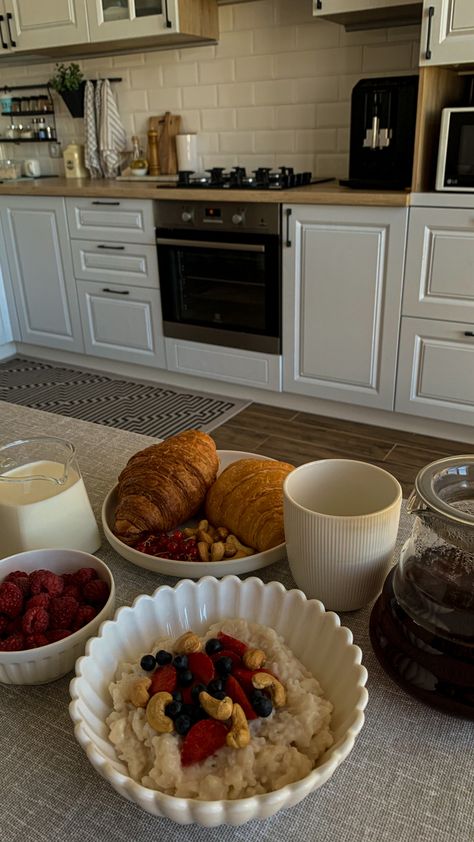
x: 190, y: 569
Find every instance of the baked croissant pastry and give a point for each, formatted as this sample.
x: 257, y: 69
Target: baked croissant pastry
x: 164, y: 485
x: 247, y: 498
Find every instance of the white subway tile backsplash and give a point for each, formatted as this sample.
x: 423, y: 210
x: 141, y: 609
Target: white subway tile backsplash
x: 146, y: 77
x: 275, y: 92
x: 387, y: 57
x: 257, y: 15
x: 226, y: 19
x: 290, y: 116
x: 178, y: 75
x: 316, y: 89
x: 240, y: 93
x: 277, y: 141
x: 234, y: 44
x: 278, y: 39
x: 240, y: 142
x: 165, y: 99
x: 316, y: 140
x: 256, y: 117
x: 319, y: 34
x: 219, y: 70
x: 202, y: 96
x: 218, y: 119
x: 333, y: 114
x: 253, y: 68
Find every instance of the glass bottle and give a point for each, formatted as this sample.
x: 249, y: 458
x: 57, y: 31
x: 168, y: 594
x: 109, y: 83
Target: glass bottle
x: 138, y: 164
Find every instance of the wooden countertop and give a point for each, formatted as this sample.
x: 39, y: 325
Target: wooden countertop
x: 329, y: 193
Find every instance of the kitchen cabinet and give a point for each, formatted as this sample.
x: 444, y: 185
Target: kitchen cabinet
x: 112, y: 20
x: 39, y: 259
x: 27, y: 25
x: 342, y: 290
x: 232, y: 365
x: 116, y: 220
x: 9, y: 329
x: 368, y: 14
x: 447, y: 32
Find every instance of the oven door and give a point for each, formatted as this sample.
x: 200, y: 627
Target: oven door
x: 221, y: 289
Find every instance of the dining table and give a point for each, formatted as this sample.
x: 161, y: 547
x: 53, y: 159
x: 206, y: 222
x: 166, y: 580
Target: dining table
x: 408, y: 778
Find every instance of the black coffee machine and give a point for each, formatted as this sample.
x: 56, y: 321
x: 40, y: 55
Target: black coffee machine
x: 383, y: 117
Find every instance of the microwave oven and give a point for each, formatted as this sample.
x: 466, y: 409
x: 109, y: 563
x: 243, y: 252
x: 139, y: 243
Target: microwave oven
x: 455, y: 170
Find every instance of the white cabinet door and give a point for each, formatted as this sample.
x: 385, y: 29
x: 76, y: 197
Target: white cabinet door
x: 117, y: 220
x: 342, y: 289
x: 439, y: 273
x: 232, y: 365
x: 436, y: 370
x: 116, y: 263
x: 9, y: 327
x: 447, y: 32
x: 110, y: 20
x: 335, y: 7
x: 39, y: 257
x: 36, y: 24
x: 122, y: 323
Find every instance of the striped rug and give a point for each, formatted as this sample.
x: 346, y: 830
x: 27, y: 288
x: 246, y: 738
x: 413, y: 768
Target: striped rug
x: 159, y: 411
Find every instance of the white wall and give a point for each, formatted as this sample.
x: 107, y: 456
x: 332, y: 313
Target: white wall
x: 275, y: 90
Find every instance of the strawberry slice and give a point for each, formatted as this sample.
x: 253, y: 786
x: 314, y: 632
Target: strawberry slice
x: 201, y: 667
x: 227, y: 653
x: 232, y: 643
x: 244, y: 676
x: 238, y: 695
x: 202, y: 740
x: 163, y: 680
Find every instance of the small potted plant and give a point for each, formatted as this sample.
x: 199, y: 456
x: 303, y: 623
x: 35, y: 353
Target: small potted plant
x: 69, y: 82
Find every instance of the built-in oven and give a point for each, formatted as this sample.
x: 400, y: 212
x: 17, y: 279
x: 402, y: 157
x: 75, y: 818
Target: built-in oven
x: 220, y: 273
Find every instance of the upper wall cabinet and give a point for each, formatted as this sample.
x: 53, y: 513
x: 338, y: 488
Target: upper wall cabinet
x: 447, y: 33
x: 368, y: 14
x: 74, y: 28
x: 28, y: 25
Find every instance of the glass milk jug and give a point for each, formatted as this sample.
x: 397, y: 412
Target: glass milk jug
x: 43, y: 500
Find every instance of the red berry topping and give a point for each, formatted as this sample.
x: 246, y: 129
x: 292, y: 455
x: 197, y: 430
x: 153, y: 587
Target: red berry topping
x: 40, y: 600
x: 227, y: 653
x: 85, y: 574
x: 35, y: 621
x: 62, y: 612
x: 12, y: 643
x: 44, y: 581
x: 72, y: 590
x: 11, y: 599
x: 164, y: 680
x: 21, y: 579
x: 232, y: 643
x: 201, y: 667
x: 57, y: 634
x: 15, y: 625
x: 96, y: 591
x: 32, y: 641
x: 3, y: 623
x: 85, y: 613
x: 202, y: 740
x: 238, y: 695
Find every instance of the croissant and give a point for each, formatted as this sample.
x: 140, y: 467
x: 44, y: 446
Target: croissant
x: 165, y: 484
x: 247, y: 498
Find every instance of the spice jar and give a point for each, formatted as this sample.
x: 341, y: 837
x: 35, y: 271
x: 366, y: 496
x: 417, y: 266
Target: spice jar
x: 15, y: 105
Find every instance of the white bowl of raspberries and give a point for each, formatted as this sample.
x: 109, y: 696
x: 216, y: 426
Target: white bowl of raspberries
x: 51, y: 602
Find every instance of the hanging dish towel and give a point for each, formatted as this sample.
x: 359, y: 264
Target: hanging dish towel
x: 112, y: 136
x: 91, y: 151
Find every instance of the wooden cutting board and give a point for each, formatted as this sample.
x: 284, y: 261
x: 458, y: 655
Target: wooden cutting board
x: 168, y: 126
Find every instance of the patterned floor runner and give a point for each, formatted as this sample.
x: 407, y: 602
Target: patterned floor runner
x: 159, y: 411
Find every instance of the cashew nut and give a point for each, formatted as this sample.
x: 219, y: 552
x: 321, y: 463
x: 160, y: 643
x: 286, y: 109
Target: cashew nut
x: 202, y: 535
x: 239, y: 734
x: 204, y: 525
x: 155, y: 713
x: 265, y: 681
x: 139, y: 692
x: 187, y: 643
x: 217, y: 551
x: 217, y: 708
x: 189, y: 532
x: 222, y: 532
x: 203, y: 550
x: 254, y: 659
x: 232, y: 542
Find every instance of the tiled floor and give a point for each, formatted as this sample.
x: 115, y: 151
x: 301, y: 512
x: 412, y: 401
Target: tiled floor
x: 299, y: 437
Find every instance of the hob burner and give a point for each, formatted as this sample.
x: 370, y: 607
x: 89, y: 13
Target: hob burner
x: 263, y: 178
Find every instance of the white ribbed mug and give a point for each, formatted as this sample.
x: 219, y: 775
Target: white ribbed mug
x: 341, y: 522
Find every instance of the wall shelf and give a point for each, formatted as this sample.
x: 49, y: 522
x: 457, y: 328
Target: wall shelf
x: 28, y: 140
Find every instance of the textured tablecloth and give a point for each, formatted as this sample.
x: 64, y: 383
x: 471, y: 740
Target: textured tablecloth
x: 409, y: 778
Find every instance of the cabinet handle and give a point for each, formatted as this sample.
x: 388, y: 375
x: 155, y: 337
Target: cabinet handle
x: 108, y: 204
x: 469, y: 333
x: 431, y: 11
x: 9, y: 18
x: 116, y: 291
x: 112, y: 248
x: 288, y: 214
x: 168, y: 23
x: 4, y: 43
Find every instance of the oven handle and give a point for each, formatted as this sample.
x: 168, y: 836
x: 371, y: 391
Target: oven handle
x: 164, y: 241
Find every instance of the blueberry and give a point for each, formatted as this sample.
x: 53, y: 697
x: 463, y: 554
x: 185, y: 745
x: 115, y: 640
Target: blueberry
x: 213, y: 645
x: 262, y: 705
x: 219, y: 694
x: 177, y: 696
x: 185, y: 678
x: 215, y: 686
x: 224, y: 666
x: 182, y: 724
x: 163, y: 658
x: 173, y: 709
x: 195, y: 692
x: 180, y: 662
x: 148, y: 663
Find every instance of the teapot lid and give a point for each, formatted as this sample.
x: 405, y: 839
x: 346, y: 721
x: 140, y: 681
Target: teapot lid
x: 446, y: 487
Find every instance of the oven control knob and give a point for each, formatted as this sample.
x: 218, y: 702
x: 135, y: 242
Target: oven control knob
x: 238, y: 218
x: 186, y: 216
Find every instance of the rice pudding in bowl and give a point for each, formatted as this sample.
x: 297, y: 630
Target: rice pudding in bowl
x: 313, y: 637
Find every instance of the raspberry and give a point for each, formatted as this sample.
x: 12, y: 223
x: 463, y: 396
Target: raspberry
x: 57, y: 634
x: 3, y: 623
x: 68, y: 579
x: 72, y: 590
x: 84, y: 575
x: 45, y: 581
x: 62, y: 611
x: 21, y: 580
x: 85, y: 613
x: 14, y: 625
x: 32, y: 641
x: 12, y: 643
x: 40, y: 600
x: 35, y: 621
x: 96, y: 591
x: 11, y: 599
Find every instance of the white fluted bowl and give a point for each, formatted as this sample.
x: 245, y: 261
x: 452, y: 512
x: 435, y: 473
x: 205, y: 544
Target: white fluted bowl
x: 314, y: 636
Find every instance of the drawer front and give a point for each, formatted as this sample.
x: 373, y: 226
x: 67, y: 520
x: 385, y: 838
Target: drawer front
x: 122, y: 324
x: 439, y: 274
x: 230, y: 364
x: 119, y: 220
x: 436, y: 370
x: 132, y: 265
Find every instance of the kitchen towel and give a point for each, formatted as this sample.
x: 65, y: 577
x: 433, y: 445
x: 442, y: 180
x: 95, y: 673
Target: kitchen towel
x: 112, y: 135
x: 91, y: 151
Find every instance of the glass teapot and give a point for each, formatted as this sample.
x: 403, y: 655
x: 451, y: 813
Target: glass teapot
x: 43, y: 500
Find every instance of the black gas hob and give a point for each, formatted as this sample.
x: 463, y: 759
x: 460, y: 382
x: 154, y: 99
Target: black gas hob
x: 263, y: 178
